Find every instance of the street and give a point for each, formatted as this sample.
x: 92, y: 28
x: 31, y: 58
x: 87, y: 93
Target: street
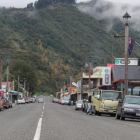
x: 62, y: 122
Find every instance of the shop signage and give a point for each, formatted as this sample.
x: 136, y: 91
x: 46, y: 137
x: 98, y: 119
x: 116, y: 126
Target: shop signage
x: 131, y: 61
x: 106, y: 75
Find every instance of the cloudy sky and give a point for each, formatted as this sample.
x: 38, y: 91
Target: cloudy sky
x: 23, y: 3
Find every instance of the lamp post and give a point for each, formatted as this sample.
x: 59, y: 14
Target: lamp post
x: 90, y: 57
x: 1, y: 55
x: 70, y: 84
x: 81, y: 80
x: 18, y: 85
x: 7, y: 89
x: 64, y: 89
x: 28, y: 91
x: 126, y: 18
x: 24, y: 85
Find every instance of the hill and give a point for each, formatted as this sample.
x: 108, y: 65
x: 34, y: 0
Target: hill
x: 54, y: 40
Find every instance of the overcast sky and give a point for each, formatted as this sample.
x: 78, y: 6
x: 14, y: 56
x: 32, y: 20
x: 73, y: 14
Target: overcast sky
x: 23, y: 3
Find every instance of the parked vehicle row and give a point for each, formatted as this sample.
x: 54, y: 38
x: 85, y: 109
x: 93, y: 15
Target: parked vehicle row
x: 113, y: 103
x: 62, y: 101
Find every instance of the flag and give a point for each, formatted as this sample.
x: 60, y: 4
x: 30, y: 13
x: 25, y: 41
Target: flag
x: 73, y: 83
x: 131, y: 44
x: 86, y: 65
x: 84, y: 74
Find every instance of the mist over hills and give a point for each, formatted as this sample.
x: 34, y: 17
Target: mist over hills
x: 55, y: 39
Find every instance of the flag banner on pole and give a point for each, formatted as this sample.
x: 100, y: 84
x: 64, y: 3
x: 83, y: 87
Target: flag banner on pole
x: 131, y: 44
x: 73, y: 83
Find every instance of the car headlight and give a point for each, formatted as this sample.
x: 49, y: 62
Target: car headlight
x: 102, y: 105
x: 128, y: 109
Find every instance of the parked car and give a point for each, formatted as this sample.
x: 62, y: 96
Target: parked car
x: 55, y: 100
x: 59, y: 101
x: 30, y: 100
x: 33, y: 100
x: 26, y: 100
x: 34, y: 97
x: 5, y: 102
x: 78, y: 104
x: 40, y: 100
x: 21, y: 101
x: 66, y: 101
x: 128, y: 107
x: 10, y: 103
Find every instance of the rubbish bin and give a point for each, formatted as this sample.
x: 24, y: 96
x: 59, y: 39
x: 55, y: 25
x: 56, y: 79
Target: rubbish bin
x: 71, y: 102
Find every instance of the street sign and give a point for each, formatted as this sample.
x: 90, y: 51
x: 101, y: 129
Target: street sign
x: 131, y: 61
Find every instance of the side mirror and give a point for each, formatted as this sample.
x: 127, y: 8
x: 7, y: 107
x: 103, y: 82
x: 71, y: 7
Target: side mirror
x: 120, y: 101
x: 98, y: 97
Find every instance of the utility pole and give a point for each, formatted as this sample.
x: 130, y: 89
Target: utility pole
x: 24, y: 86
x: 81, y: 83
x: 64, y: 87
x: 7, y: 89
x: 126, y: 19
x: 90, y: 57
x: 1, y: 54
x: 18, y: 85
x: 70, y: 86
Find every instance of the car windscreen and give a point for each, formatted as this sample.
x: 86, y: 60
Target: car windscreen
x: 80, y: 102
x: 132, y: 100
x: 111, y: 95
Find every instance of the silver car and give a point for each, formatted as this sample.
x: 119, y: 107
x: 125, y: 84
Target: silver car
x: 40, y: 100
x: 78, y: 104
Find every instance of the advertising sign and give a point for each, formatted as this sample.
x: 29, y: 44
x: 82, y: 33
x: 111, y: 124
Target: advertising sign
x: 106, y: 76
x: 131, y: 61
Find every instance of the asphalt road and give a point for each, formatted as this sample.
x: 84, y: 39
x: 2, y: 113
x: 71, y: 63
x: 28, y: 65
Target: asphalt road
x: 62, y: 122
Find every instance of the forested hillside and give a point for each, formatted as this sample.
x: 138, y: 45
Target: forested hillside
x: 55, y: 39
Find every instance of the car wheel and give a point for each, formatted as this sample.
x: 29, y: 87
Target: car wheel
x: 1, y: 109
x: 122, y: 118
x: 117, y: 116
x: 11, y: 106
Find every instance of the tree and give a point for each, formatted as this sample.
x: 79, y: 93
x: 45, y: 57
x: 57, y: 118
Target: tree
x: 26, y: 71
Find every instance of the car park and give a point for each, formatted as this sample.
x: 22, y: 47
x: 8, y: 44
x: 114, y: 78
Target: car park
x: 5, y: 102
x: 40, y: 100
x: 128, y: 107
x: 21, y: 101
x: 78, y: 104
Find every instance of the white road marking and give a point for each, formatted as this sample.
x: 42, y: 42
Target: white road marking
x: 38, y: 130
x: 68, y: 108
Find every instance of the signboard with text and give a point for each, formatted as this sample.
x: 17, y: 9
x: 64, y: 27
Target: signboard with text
x: 106, y: 76
x: 131, y: 61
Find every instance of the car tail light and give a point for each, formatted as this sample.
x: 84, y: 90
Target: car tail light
x: 4, y: 102
x: 8, y: 101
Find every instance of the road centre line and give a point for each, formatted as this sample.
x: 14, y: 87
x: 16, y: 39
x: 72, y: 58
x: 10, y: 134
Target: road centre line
x: 38, y: 130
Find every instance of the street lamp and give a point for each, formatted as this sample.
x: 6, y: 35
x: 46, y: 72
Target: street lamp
x: 18, y: 85
x: 70, y: 84
x: 1, y: 55
x: 89, y: 57
x: 7, y: 89
x: 81, y: 80
x: 126, y: 18
x: 24, y: 85
x: 64, y: 89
